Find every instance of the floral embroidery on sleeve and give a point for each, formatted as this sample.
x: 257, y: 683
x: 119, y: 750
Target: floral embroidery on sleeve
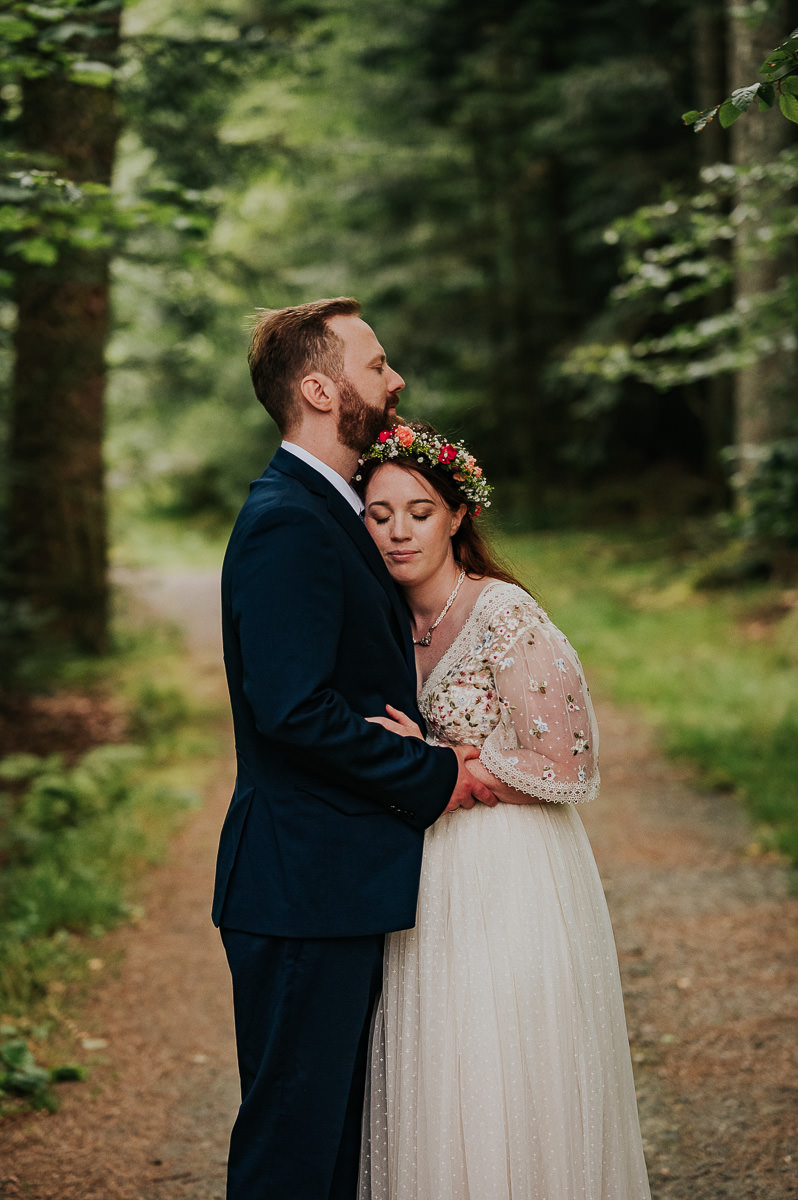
x: 511, y: 685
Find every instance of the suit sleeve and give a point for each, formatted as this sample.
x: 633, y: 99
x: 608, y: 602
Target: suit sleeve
x: 288, y: 619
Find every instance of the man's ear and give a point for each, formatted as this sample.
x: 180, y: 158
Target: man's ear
x: 318, y: 390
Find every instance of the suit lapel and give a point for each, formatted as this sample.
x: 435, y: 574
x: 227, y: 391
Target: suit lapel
x: 348, y: 519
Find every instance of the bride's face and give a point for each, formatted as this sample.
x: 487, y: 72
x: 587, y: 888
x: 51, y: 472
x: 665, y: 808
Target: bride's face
x: 410, y: 524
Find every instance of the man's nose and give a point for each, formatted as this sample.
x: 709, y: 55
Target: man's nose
x: 395, y: 381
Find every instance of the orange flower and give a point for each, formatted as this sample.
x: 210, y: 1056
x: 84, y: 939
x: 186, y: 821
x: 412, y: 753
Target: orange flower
x: 404, y: 436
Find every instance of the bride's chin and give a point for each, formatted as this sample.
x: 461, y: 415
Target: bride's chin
x: 401, y: 573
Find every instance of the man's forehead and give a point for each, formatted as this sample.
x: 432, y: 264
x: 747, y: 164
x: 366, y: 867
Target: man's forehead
x: 356, y: 334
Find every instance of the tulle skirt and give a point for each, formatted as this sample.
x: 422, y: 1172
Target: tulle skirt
x: 500, y: 1066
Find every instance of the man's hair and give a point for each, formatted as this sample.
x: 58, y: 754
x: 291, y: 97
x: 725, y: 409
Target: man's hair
x: 287, y: 344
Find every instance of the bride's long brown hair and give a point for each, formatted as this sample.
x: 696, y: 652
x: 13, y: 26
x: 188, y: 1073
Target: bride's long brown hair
x: 471, y: 550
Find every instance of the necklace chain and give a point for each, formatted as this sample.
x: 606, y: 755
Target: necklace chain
x: 427, y: 638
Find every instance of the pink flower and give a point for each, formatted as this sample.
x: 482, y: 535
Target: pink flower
x: 404, y: 436
x: 447, y: 454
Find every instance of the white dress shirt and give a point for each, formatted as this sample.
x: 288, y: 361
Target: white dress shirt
x: 339, y: 483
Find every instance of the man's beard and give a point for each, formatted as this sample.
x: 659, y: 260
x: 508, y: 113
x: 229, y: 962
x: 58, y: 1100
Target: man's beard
x: 359, y: 423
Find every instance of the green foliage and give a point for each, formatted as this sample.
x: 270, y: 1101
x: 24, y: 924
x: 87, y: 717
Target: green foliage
x: 20, y: 1074
x: 70, y: 838
x: 21, y: 1077
x: 157, y: 712
x: 47, y: 39
x: 65, y: 835
x: 770, y: 514
x: 677, y: 253
x: 43, y: 214
x: 780, y: 71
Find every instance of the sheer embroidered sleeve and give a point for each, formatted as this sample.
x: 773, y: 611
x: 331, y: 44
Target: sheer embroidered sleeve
x: 546, y: 740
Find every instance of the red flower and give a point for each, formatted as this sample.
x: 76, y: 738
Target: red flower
x: 477, y: 510
x: 384, y: 436
x: 448, y: 454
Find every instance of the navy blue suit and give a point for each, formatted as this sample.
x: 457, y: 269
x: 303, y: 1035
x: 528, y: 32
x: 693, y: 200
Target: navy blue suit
x: 321, y: 848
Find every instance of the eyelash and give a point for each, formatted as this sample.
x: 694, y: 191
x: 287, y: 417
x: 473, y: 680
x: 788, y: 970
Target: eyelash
x: 384, y: 520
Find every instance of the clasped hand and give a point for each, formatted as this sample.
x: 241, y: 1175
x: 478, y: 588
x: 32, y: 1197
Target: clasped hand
x: 468, y: 789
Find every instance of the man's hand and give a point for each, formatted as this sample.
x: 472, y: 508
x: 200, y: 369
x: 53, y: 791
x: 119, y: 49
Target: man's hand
x: 468, y: 790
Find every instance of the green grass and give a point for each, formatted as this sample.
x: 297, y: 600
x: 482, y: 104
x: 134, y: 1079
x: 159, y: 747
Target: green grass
x: 76, y: 837
x: 714, y: 672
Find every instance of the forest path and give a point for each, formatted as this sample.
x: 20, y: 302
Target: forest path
x: 707, y: 941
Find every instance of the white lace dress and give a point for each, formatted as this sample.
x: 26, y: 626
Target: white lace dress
x: 500, y: 1065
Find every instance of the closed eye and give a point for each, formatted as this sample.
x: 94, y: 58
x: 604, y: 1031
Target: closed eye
x: 384, y: 520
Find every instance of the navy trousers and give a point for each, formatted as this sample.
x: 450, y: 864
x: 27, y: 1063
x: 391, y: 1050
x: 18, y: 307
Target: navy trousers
x: 303, y: 1009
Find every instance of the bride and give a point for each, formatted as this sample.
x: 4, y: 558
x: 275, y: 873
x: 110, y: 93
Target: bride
x: 500, y: 1065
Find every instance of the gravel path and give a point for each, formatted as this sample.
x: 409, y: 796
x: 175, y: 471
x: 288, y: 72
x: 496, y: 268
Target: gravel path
x: 706, y: 935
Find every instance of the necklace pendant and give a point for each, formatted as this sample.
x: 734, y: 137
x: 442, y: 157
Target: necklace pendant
x: 427, y: 638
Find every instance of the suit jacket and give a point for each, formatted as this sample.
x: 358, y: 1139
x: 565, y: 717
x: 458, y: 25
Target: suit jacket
x: 324, y: 833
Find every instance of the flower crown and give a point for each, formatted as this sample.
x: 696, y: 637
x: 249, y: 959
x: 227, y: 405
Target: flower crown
x: 427, y: 446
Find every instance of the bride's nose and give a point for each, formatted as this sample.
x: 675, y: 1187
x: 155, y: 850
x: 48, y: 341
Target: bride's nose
x: 400, y: 529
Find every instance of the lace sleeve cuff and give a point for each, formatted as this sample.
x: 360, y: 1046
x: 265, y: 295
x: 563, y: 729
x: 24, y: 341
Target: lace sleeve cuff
x: 557, y: 791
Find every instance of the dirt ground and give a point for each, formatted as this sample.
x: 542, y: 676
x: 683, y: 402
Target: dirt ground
x: 707, y: 940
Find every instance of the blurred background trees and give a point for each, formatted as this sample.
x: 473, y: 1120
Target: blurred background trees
x: 601, y: 302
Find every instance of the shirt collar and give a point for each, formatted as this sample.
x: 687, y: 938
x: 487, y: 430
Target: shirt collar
x: 338, y: 482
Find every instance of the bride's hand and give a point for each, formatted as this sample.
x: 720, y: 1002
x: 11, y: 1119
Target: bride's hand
x: 397, y: 722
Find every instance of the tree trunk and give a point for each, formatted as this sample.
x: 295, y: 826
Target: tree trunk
x: 764, y: 392
x: 57, y: 539
x: 714, y: 403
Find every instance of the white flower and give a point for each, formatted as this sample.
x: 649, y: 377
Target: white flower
x: 560, y: 664
x: 513, y: 760
x: 540, y: 725
x: 581, y: 775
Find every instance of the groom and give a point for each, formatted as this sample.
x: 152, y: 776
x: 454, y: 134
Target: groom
x: 320, y: 851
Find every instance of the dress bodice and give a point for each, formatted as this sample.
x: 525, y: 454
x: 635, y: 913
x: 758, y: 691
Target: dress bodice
x: 512, y: 685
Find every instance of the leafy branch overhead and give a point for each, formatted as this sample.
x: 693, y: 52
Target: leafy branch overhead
x: 780, y: 70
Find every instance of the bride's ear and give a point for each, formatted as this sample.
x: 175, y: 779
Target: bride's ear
x: 457, y: 518
x: 317, y: 389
